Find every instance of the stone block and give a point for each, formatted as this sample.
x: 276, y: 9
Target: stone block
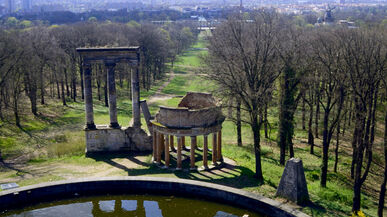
x: 293, y: 183
x: 106, y: 139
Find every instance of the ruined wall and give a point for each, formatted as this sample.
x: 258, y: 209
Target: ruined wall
x: 105, y: 139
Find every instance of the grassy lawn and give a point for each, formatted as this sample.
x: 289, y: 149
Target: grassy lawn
x: 55, y: 143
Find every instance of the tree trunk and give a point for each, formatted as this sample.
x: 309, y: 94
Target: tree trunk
x: 317, y: 116
x: 99, y: 89
x: 33, y: 98
x: 16, y: 110
x: 324, y: 166
x: 357, y: 186
x: 75, y: 89
x: 354, y: 150
x: 255, y: 126
x: 337, y: 146
x: 67, y: 85
x: 282, y: 141
x: 63, y: 93
x: 239, y: 122
x: 1, y: 111
x: 58, y: 89
x: 303, y: 115
x: 266, y: 123
x: 42, y: 91
x: 310, y: 130
x: 383, y: 186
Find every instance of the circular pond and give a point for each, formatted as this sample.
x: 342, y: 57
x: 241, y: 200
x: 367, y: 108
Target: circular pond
x: 82, y: 197
x: 131, y: 205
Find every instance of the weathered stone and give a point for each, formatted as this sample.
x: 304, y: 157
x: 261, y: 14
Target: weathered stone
x: 105, y: 139
x: 140, y: 139
x: 293, y: 183
x: 197, y: 100
x: 9, y: 186
x: 189, y: 118
x: 224, y: 214
x: 88, y: 97
x: 30, y: 195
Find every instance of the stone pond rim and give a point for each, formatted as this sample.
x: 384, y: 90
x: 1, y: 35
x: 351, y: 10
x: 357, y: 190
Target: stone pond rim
x: 46, y: 192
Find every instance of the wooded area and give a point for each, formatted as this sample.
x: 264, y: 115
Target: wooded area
x: 340, y: 73
x: 41, y: 62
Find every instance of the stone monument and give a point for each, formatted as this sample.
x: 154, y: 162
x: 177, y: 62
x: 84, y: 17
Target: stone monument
x: 293, y: 183
x: 196, y: 115
x: 113, y: 137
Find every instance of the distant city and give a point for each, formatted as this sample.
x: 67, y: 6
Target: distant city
x: 79, y: 6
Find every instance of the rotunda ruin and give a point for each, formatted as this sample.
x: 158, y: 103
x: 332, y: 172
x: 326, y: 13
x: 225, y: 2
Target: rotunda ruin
x: 196, y: 115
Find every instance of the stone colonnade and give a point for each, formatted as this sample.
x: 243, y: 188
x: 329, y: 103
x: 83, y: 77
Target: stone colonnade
x: 163, y: 142
x: 109, y: 57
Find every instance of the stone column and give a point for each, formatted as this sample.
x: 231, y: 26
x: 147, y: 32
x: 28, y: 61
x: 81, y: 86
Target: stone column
x: 166, y: 151
x: 136, y: 98
x: 111, y: 82
x: 193, y: 147
x: 88, y: 98
x: 171, y: 143
x: 183, y: 143
x: 159, y: 147
x: 154, y: 146
x: 219, y: 148
x: 205, y: 152
x: 179, y: 147
x: 214, y: 148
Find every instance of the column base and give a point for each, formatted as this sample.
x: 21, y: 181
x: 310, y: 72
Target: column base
x: 204, y: 168
x: 115, y: 126
x: 90, y: 126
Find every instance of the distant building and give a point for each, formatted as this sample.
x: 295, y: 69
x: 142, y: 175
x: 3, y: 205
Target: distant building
x: 348, y: 24
x: 327, y: 19
x: 27, y: 5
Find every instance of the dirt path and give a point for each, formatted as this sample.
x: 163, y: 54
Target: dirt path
x: 159, y: 95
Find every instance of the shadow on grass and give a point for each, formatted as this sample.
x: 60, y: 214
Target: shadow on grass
x: 229, y: 175
x: 10, y: 166
x: 315, y: 208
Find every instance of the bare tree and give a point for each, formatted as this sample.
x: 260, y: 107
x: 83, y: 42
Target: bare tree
x: 364, y: 61
x: 241, y: 62
x: 291, y: 49
x: 328, y: 59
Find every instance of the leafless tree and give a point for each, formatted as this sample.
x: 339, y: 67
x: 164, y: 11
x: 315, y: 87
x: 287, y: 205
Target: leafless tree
x: 242, y: 63
x: 364, y: 61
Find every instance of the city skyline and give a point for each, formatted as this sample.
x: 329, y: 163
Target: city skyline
x: 79, y: 6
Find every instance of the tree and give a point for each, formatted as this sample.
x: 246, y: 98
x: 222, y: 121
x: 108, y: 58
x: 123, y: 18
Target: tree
x: 327, y: 56
x: 241, y: 62
x: 291, y: 50
x: 364, y: 59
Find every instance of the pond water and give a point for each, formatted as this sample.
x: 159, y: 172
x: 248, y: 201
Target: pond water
x: 131, y: 205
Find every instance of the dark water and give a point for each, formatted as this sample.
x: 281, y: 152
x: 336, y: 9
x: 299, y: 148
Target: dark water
x: 131, y: 205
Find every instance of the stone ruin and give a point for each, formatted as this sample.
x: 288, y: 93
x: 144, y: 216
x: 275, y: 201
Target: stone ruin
x: 293, y: 183
x: 196, y: 115
x: 113, y: 137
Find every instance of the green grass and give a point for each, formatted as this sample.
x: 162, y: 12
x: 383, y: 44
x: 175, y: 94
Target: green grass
x: 57, y: 138
x: 190, y: 58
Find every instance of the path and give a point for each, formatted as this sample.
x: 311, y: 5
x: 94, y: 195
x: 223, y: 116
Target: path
x: 159, y: 95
